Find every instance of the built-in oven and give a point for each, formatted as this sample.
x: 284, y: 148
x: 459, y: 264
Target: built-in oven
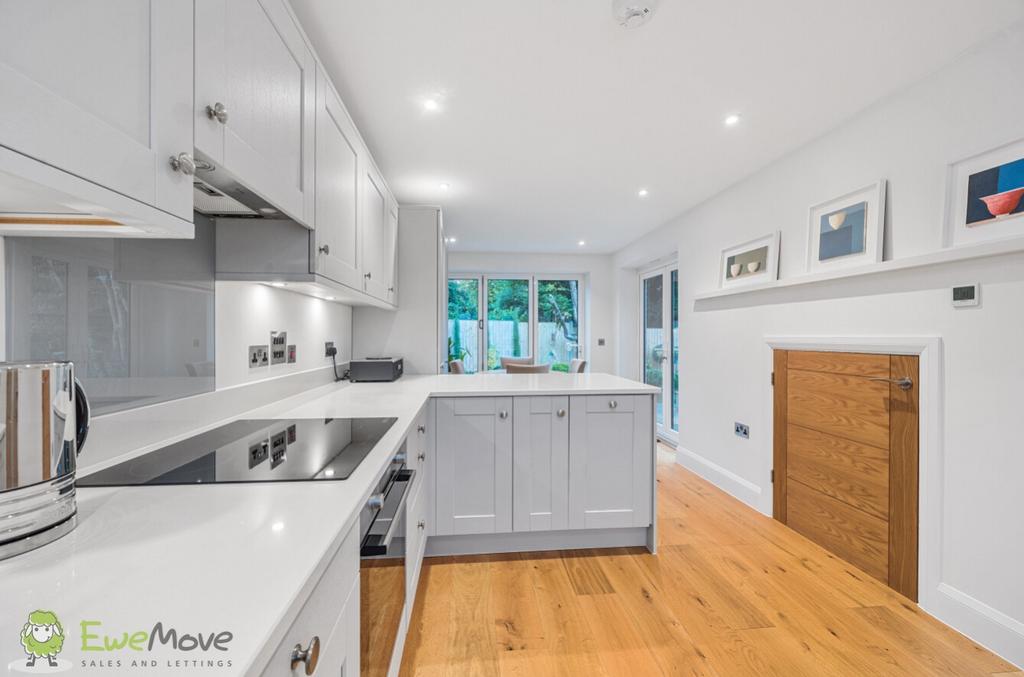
x: 382, y: 567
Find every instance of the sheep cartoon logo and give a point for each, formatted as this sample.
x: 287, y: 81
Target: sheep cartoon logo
x: 42, y: 638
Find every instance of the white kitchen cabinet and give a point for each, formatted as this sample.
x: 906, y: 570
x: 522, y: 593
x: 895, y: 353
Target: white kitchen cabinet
x: 97, y: 98
x: 418, y: 330
x: 378, y: 243
x: 254, y: 66
x: 416, y: 524
x: 473, y: 490
x: 339, y: 154
x: 330, y: 616
x: 611, y: 457
x: 540, y: 463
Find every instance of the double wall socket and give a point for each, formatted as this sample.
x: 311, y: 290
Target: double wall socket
x: 259, y: 356
x: 742, y: 430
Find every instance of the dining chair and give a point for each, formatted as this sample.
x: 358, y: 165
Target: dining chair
x: 455, y: 367
x: 528, y: 369
x: 505, y: 361
x: 577, y: 366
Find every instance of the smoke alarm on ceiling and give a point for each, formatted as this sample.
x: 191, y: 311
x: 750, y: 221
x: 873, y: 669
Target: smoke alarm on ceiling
x: 632, y: 13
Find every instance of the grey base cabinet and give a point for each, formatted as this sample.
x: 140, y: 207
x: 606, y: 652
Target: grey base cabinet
x: 610, y: 461
x: 474, y: 465
x: 540, y: 464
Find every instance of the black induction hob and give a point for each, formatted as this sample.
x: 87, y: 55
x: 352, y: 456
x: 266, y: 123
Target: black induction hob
x: 269, y: 450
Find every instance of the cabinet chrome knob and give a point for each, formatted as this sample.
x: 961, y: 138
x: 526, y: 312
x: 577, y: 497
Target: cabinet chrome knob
x: 375, y: 502
x: 421, y: 428
x: 612, y: 404
x: 422, y: 457
x: 368, y: 276
x: 218, y: 112
x: 310, y: 655
x: 324, y: 249
x: 503, y: 415
x: 421, y: 525
x: 561, y: 413
x: 391, y: 289
x: 183, y: 162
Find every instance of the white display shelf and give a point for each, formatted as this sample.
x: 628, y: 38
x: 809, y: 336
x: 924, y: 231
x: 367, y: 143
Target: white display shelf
x: 940, y: 257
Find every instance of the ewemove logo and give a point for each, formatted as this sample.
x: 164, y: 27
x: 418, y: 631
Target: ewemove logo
x: 42, y: 637
x: 161, y: 648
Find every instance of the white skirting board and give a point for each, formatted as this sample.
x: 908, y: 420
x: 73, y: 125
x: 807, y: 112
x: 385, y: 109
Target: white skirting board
x: 527, y: 541
x: 724, y: 479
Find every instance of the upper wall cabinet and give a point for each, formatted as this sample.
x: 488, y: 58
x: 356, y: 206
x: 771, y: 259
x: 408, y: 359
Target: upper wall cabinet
x: 255, y: 83
x: 96, y: 99
x: 339, y: 154
x: 380, y: 236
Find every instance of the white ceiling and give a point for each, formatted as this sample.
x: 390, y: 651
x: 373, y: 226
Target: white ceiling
x: 552, y: 116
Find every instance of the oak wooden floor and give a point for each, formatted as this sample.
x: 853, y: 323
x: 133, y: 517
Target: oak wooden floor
x: 731, y: 592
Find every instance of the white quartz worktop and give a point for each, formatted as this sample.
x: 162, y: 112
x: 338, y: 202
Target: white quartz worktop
x: 237, y: 558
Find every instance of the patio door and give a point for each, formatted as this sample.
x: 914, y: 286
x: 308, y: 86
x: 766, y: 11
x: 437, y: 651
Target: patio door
x: 659, y: 340
x: 495, y: 316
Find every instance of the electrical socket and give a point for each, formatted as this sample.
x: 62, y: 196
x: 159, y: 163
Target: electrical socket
x: 742, y: 430
x: 328, y: 347
x: 259, y: 356
x: 258, y: 453
x: 291, y: 354
x: 278, y: 347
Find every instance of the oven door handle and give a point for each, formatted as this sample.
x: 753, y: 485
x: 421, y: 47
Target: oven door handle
x: 394, y: 503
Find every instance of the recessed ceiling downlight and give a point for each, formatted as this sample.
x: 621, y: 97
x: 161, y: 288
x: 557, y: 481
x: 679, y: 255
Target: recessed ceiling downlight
x: 732, y: 119
x: 642, y: 193
x: 430, y: 105
x: 633, y: 13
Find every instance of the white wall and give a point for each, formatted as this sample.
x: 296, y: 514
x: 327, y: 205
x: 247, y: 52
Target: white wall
x: 970, y: 106
x: 246, y: 313
x: 599, y: 313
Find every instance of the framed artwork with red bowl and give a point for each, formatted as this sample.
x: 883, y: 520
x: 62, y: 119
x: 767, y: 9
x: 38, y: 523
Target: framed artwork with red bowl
x: 985, y: 197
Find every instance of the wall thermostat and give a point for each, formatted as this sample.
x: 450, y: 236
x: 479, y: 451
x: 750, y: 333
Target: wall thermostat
x: 967, y: 295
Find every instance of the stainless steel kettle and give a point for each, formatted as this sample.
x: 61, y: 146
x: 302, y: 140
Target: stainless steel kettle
x: 45, y: 420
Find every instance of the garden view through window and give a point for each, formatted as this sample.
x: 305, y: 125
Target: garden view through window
x: 494, y: 317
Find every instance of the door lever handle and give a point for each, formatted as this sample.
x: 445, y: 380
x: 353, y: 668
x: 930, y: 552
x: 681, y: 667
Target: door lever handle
x: 905, y: 383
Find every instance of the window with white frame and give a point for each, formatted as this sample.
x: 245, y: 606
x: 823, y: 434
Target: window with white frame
x: 501, y: 315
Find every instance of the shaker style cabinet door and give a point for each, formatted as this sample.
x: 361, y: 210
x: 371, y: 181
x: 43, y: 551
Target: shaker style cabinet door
x: 540, y: 464
x: 474, y: 465
x: 102, y: 90
x: 338, y: 156
x: 611, y: 457
x: 375, y: 234
x: 255, y: 98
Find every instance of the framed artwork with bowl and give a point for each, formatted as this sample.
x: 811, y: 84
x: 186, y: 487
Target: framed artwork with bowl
x: 985, y: 197
x: 848, y: 230
x: 753, y: 262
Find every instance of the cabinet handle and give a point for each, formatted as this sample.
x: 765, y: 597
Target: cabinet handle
x: 561, y: 413
x: 612, y: 404
x: 422, y: 457
x: 905, y: 383
x: 503, y: 415
x: 324, y: 249
x: 421, y: 428
x: 368, y: 276
x: 391, y: 289
x: 310, y: 655
x: 183, y: 162
x: 218, y: 112
x: 375, y: 502
x: 421, y: 525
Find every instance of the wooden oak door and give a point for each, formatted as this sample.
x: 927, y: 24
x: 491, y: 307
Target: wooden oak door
x: 474, y: 465
x: 846, y: 457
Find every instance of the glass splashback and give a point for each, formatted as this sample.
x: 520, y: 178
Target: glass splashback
x: 136, y: 316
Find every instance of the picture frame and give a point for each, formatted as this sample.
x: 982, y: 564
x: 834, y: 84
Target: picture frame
x: 847, y: 231
x: 985, y: 197
x: 754, y: 262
